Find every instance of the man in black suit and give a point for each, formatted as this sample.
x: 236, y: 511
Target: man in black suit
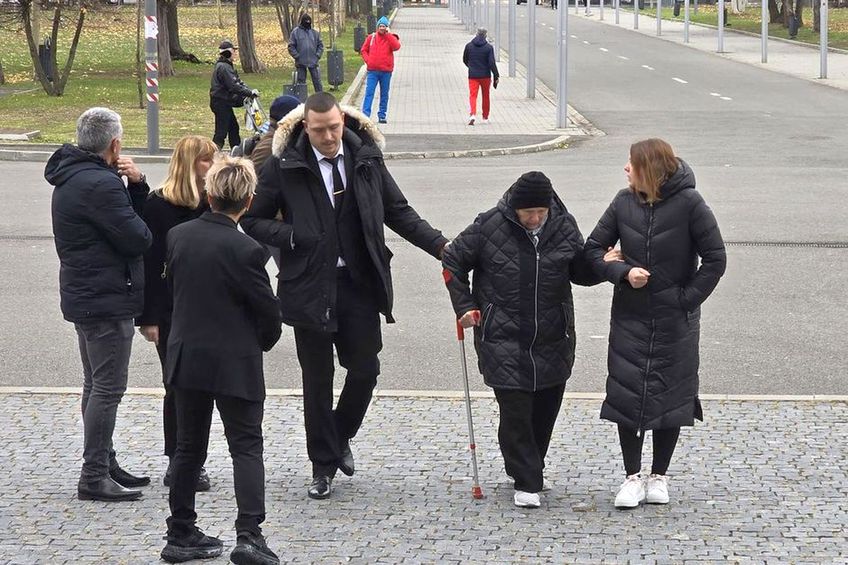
x: 329, y: 181
x: 225, y: 315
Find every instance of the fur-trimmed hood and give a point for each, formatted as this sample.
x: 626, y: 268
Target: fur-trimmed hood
x: 289, y: 128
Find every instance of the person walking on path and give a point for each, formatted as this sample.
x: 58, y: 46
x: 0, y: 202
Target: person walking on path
x: 227, y: 91
x: 378, y: 52
x: 331, y: 185
x: 524, y: 253
x: 225, y: 315
x: 100, y: 240
x: 664, y: 228
x: 479, y: 57
x: 181, y: 198
x: 306, y: 48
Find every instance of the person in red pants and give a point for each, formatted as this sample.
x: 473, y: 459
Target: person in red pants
x: 479, y: 57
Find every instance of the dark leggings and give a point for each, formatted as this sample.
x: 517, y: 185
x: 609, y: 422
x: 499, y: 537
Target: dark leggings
x: 631, y: 448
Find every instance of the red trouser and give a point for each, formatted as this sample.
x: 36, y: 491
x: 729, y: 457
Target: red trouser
x: 483, y: 84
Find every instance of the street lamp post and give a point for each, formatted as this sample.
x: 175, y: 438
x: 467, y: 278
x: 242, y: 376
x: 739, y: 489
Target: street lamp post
x: 531, y: 49
x: 511, y: 40
x: 151, y: 64
x: 823, y: 37
x: 562, y: 65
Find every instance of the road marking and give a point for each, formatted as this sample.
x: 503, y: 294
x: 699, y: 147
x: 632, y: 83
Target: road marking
x: 586, y: 42
x: 714, y: 94
x: 604, y: 49
x: 650, y: 68
x: 623, y: 58
x: 574, y: 36
x: 680, y: 80
x: 726, y: 98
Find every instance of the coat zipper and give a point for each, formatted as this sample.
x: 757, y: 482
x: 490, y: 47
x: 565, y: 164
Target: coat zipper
x: 653, y: 326
x: 535, y: 240
x: 486, y: 315
x: 565, y: 319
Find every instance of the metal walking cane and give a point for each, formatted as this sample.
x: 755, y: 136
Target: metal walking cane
x: 476, y: 491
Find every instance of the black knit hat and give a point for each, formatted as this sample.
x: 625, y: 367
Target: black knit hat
x: 531, y: 190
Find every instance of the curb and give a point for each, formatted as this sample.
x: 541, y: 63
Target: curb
x: 447, y: 394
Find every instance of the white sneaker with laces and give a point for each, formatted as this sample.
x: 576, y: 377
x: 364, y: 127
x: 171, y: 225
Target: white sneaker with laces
x: 631, y: 493
x: 657, y: 490
x: 527, y: 499
x: 471, y: 119
x: 485, y: 121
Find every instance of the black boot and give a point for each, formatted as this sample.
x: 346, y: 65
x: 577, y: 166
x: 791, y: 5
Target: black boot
x: 252, y: 550
x: 194, y: 545
x: 124, y: 478
x: 105, y: 489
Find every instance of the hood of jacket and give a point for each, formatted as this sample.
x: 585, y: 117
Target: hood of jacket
x: 479, y: 41
x: 69, y: 160
x: 289, y: 128
x: 682, y: 179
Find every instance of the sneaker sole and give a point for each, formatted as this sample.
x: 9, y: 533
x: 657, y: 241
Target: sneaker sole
x: 128, y: 498
x: 248, y: 555
x: 532, y: 506
x: 176, y: 554
x: 656, y: 500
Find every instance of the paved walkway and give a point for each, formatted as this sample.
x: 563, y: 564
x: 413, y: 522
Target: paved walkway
x: 789, y: 58
x: 758, y: 482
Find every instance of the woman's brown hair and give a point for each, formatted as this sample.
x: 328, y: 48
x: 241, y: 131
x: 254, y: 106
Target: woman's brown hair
x: 652, y: 161
x: 180, y: 187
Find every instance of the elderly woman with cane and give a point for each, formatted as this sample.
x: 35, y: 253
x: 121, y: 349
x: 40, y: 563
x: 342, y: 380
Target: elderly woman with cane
x: 665, y: 228
x: 525, y: 253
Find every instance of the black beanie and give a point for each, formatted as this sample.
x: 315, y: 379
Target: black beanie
x: 531, y: 190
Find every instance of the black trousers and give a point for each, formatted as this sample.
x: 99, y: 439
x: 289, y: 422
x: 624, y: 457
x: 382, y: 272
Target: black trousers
x: 226, y: 124
x: 357, y: 342
x: 169, y: 407
x: 526, y: 423
x: 242, y: 421
x: 316, y: 76
x: 631, y: 449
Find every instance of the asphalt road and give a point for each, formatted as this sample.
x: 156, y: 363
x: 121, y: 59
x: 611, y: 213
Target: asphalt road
x: 770, y: 161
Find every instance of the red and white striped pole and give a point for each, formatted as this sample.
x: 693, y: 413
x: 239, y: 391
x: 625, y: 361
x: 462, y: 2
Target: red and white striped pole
x: 151, y: 57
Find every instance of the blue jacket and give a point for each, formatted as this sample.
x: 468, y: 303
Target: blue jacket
x: 479, y: 57
x: 99, y: 237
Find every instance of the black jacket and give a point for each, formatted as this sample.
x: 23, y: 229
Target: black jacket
x: 227, y: 88
x: 99, y: 237
x: 160, y: 216
x: 225, y: 313
x: 522, y: 286
x: 654, y: 331
x: 479, y: 57
x: 290, y: 183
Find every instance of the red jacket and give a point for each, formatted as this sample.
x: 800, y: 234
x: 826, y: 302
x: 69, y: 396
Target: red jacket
x: 378, y: 51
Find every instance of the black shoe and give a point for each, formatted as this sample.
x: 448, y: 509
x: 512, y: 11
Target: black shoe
x: 321, y: 487
x: 383, y: 121
x: 126, y: 479
x: 195, y: 545
x: 106, y: 490
x: 203, y: 483
x: 346, y: 464
x: 252, y: 550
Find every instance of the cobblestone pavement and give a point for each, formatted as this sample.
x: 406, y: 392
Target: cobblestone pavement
x: 757, y: 482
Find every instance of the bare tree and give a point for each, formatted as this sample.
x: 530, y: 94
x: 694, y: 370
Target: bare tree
x: 56, y: 86
x: 288, y: 15
x: 166, y: 66
x: 173, y: 23
x: 2, y: 75
x: 250, y: 63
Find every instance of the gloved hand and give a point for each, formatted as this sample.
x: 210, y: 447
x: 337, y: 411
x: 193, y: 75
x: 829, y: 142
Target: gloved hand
x: 495, y: 82
x: 254, y: 93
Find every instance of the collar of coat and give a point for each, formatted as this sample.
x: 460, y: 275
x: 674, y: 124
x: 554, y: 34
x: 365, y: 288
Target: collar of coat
x: 356, y: 123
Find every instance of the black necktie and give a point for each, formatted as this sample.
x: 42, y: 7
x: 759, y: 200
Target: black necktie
x: 338, y: 185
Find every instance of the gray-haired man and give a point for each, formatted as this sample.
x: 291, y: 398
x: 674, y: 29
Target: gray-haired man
x: 100, y: 239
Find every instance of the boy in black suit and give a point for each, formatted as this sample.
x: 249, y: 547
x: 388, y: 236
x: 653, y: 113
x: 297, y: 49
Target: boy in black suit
x: 225, y: 315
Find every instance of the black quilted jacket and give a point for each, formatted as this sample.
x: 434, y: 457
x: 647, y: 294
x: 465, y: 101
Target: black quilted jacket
x: 654, y: 331
x: 526, y: 338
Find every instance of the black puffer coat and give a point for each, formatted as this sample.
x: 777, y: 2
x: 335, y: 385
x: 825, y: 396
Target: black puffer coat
x: 654, y: 330
x: 99, y: 237
x: 226, y: 88
x: 525, y: 340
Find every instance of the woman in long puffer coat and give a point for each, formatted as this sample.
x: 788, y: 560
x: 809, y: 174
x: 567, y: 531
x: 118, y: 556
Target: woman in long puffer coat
x: 525, y: 253
x: 664, y: 227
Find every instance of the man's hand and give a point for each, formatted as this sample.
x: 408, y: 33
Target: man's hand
x: 638, y: 277
x: 470, y: 318
x: 150, y: 333
x: 613, y: 255
x: 127, y: 168
x: 495, y: 82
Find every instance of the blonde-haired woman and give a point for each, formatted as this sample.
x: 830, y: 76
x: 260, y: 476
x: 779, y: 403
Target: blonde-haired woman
x: 181, y: 198
x: 664, y: 228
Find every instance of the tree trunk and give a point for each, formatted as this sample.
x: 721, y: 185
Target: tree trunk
x: 2, y: 76
x: 174, y: 48
x: 774, y: 12
x: 140, y: 73
x: 786, y: 11
x: 816, y: 17
x: 798, y: 10
x: 63, y: 78
x: 166, y: 65
x: 40, y: 74
x: 250, y: 63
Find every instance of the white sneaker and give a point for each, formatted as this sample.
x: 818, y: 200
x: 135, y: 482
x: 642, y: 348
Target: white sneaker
x: 485, y: 121
x: 631, y: 493
x: 471, y: 119
x: 657, y: 490
x: 527, y: 499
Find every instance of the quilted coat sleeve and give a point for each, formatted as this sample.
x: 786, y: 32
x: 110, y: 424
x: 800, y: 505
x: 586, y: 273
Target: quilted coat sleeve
x: 460, y: 258
x: 405, y: 221
x: 604, y: 236
x: 704, y: 231
x: 582, y: 272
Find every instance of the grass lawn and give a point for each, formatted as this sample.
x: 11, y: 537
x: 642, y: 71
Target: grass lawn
x: 750, y: 21
x: 103, y: 74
